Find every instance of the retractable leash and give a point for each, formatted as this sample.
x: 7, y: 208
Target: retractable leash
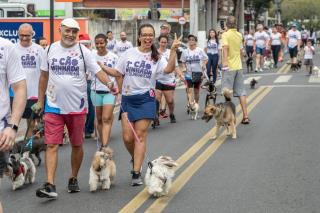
x: 95, y: 114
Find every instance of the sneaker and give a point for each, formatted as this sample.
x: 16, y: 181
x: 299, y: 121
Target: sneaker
x: 87, y: 135
x: 136, y: 179
x: 163, y: 113
x: 260, y: 70
x: 73, y: 186
x: 173, y: 118
x: 48, y: 190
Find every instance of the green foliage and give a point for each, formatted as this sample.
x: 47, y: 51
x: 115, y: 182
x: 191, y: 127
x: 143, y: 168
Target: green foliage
x: 258, y: 6
x: 300, y: 9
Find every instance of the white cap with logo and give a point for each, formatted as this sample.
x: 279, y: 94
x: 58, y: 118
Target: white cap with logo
x: 71, y: 23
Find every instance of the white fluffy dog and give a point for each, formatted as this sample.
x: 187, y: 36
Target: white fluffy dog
x: 159, y: 176
x: 21, y: 171
x: 102, y: 170
x: 194, y: 110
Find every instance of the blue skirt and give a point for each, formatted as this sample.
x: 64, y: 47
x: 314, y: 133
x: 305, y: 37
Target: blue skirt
x: 138, y: 107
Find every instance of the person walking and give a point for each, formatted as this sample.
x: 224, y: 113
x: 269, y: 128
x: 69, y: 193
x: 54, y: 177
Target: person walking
x: 232, y: 76
x: 30, y: 56
x: 248, y: 43
x: 122, y: 45
x: 63, y: 80
x: 111, y: 41
x: 275, y: 40
x: 166, y: 83
x: 308, y: 56
x: 139, y: 68
x: 12, y: 74
x: 194, y: 60
x: 102, y: 97
x: 212, y: 50
x: 293, y: 43
x: 85, y: 40
x: 261, y: 39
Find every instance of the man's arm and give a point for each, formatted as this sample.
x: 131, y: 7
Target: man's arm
x: 43, y: 83
x: 225, y: 56
x: 7, y: 137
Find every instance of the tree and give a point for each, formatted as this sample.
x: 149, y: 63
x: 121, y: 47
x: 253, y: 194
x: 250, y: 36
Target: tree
x: 302, y: 10
x: 258, y: 6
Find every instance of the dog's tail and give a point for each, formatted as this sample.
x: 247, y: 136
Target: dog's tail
x: 227, y: 94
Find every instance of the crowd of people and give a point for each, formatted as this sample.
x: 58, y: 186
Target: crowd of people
x: 76, y: 85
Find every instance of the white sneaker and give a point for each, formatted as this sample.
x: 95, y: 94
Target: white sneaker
x: 260, y: 70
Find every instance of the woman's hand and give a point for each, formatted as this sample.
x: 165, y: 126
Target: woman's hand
x: 176, y: 42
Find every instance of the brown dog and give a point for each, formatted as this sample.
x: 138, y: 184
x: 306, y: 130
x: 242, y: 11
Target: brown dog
x: 225, y: 115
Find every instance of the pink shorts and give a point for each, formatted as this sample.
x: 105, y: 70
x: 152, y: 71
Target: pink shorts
x: 54, y: 128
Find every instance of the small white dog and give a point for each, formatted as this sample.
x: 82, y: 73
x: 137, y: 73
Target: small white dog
x: 159, y: 176
x: 194, y: 110
x: 21, y: 171
x: 102, y: 170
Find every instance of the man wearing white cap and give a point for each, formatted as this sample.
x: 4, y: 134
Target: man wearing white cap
x: 63, y: 80
x: 293, y: 43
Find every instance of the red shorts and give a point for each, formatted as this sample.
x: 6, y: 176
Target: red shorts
x: 54, y: 128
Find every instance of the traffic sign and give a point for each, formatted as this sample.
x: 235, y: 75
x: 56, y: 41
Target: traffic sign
x: 182, y: 20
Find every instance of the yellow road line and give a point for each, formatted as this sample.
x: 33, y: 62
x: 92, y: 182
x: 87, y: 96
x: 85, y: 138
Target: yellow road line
x: 286, y: 70
x: 283, y: 68
x: 186, y: 175
x: 142, y: 196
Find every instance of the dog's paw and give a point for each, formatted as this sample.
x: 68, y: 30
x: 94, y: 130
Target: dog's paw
x: 213, y: 137
x: 234, y: 136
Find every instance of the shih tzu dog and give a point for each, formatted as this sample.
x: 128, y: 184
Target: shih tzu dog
x: 21, y: 171
x: 102, y: 170
x: 159, y: 176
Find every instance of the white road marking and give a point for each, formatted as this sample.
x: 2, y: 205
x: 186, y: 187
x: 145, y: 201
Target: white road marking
x: 247, y: 81
x: 283, y: 79
x: 294, y: 85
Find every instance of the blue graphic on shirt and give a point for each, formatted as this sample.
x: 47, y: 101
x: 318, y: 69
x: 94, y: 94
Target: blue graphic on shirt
x: 28, y: 61
x: 81, y: 103
x: 140, y: 69
x: 194, y: 59
x: 65, y: 66
x: 123, y: 49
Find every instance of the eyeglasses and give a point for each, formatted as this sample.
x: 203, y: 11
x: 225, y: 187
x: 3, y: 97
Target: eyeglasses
x: 147, y: 35
x: 24, y: 35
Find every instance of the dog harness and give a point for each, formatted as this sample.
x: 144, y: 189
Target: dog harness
x: 21, y: 170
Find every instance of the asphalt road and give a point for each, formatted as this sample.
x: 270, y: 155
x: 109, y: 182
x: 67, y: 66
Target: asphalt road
x: 272, y: 167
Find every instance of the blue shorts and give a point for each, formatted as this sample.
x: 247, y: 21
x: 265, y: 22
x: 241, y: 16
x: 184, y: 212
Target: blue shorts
x: 138, y: 107
x: 99, y: 98
x: 260, y: 51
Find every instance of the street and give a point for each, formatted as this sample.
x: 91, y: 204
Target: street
x: 273, y: 166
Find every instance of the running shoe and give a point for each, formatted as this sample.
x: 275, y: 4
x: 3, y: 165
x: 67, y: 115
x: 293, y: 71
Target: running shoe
x: 163, y: 113
x: 173, y: 118
x: 136, y: 179
x: 73, y: 186
x: 47, y: 190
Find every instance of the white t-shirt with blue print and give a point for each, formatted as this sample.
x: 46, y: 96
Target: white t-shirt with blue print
x: 261, y: 39
x: 30, y: 59
x: 67, y: 84
x: 120, y: 47
x: 10, y: 72
x: 140, y: 71
x: 164, y: 78
x: 213, y: 47
x: 194, y: 60
x: 293, y: 36
x: 109, y: 60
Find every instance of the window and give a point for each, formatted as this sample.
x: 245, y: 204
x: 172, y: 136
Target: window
x: 15, y: 13
x: 1, y: 13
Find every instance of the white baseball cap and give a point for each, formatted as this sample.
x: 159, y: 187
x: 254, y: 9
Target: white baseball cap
x: 71, y: 23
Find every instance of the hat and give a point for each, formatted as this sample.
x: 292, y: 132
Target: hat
x: 293, y: 25
x: 84, y: 38
x: 71, y: 23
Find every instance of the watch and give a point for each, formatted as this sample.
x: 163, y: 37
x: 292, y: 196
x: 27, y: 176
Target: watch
x: 13, y: 126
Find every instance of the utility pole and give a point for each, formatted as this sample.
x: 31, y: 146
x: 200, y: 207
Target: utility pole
x: 153, y: 10
x: 182, y: 15
x: 278, y: 10
x: 51, y: 21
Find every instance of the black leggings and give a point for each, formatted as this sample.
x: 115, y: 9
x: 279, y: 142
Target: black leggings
x: 275, y: 52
